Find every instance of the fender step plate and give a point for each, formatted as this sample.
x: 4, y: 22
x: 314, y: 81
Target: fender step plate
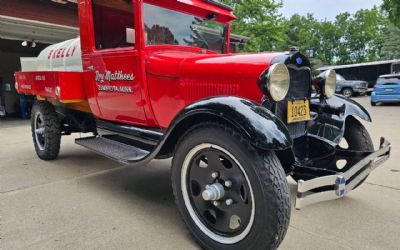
x: 115, y: 150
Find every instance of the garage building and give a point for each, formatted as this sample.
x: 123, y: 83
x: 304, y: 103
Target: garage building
x: 26, y: 27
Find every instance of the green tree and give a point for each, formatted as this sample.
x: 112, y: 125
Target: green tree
x: 364, y: 35
x: 299, y: 31
x: 393, y: 8
x: 391, y: 45
x: 329, y: 39
x: 259, y: 20
x: 348, y: 39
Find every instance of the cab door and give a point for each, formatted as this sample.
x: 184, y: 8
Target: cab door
x: 114, y: 62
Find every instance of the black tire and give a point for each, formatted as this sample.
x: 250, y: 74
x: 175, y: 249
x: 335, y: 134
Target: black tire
x: 373, y: 104
x: 46, y: 130
x: 265, y: 176
x: 347, y: 92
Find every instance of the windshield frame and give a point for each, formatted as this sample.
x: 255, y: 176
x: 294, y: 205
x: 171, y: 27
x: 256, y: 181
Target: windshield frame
x: 220, y: 20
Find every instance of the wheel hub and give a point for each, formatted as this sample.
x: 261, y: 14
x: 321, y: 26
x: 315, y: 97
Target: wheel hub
x: 217, y: 193
x: 39, y: 131
x: 213, y: 192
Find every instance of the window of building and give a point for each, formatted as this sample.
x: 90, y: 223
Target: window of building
x: 113, y: 22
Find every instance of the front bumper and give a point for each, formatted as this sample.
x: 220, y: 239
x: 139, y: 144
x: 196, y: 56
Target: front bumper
x: 343, y: 183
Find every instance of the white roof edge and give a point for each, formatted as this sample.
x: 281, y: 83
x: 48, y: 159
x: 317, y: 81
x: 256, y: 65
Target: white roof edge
x: 358, y: 64
x: 390, y: 75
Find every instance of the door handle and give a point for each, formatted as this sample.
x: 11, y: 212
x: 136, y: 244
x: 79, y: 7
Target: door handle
x: 90, y: 67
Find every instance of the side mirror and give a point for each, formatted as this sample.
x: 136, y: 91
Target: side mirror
x: 130, y: 36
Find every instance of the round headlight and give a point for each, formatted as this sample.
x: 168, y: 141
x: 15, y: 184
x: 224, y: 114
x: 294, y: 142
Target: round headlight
x: 330, y: 83
x: 278, y: 81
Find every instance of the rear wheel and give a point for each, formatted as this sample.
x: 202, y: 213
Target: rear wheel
x: 347, y: 92
x: 46, y: 131
x: 230, y: 195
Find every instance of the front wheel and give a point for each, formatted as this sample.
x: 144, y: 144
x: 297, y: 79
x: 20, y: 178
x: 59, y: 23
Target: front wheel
x: 46, y: 130
x: 347, y: 92
x: 230, y: 195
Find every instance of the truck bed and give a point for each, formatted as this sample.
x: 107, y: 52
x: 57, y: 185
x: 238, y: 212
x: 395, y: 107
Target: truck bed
x: 63, y: 86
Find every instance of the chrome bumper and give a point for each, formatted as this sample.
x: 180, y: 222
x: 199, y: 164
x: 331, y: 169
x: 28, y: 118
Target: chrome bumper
x: 343, y: 183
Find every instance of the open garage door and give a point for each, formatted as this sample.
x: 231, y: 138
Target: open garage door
x: 39, y: 23
x: 14, y: 28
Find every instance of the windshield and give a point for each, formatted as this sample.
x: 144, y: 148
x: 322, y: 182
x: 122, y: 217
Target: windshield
x: 164, y: 26
x: 339, y: 77
x: 390, y: 80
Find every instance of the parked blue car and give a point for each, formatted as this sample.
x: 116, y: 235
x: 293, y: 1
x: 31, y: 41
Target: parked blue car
x: 387, y: 89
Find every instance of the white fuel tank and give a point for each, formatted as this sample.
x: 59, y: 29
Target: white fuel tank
x: 64, y: 56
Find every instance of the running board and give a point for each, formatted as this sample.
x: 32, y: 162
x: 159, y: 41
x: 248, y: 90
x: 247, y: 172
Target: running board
x: 115, y: 150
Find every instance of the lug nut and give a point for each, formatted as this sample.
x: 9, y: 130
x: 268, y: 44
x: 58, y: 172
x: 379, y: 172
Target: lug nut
x: 228, y: 183
x: 229, y: 202
x: 216, y: 203
x: 215, y: 175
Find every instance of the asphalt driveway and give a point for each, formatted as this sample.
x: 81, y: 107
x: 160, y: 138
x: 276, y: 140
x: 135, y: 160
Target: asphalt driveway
x: 85, y: 201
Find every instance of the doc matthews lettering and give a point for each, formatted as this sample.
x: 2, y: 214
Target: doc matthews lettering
x: 118, y: 75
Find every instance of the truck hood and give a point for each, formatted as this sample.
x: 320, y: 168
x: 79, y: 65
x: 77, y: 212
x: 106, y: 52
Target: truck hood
x: 183, y: 64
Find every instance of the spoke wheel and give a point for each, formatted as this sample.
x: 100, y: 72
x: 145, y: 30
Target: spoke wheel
x: 46, y: 130
x: 227, y: 219
x: 230, y: 195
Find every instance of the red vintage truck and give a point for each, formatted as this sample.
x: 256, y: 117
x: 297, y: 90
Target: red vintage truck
x: 156, y: 79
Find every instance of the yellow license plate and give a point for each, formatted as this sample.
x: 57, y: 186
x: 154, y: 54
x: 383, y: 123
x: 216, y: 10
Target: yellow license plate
x: 298, y: 111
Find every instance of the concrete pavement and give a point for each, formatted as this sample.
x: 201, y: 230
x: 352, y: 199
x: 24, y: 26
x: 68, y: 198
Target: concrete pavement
x: 85, y: 201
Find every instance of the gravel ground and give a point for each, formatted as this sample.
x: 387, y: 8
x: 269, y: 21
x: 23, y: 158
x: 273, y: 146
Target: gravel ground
x: 85, y: 201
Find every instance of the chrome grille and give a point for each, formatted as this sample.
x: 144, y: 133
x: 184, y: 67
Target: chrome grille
x: 300, y: 83
x: 300, y: 87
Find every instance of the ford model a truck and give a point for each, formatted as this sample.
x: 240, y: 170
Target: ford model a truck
x: 155, y: 79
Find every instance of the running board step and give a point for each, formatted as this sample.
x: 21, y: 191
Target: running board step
x: 115, y: 150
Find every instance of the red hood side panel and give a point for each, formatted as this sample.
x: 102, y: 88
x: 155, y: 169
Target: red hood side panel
x: 177, y: 79
x: 226, y: 75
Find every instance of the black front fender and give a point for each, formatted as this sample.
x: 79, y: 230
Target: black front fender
x: 331, y: 117
x: 352, y: 107
x: 254, y: 122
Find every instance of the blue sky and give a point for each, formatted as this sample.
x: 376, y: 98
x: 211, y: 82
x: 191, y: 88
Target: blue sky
x: 325, y: 9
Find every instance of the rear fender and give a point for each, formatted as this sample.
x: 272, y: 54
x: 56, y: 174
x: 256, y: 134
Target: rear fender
x: 256, y: 123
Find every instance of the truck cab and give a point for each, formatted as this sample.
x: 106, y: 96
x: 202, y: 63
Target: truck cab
x: 134, y: 51
x: 155, y: 79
